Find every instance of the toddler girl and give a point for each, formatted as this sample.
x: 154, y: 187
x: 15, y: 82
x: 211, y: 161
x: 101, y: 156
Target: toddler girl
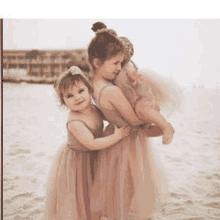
x: 73, y: 171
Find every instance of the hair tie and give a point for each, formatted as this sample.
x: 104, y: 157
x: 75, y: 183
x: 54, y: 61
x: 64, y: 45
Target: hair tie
x: 75, y: 70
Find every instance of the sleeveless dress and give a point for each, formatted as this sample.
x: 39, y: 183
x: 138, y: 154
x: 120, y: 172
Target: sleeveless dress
x: 115, y: 186
x: 151, y: 88
x: 70, y: 180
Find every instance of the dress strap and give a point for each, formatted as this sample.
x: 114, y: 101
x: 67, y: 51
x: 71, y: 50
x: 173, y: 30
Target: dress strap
x: 84, y: 148
x: 101, y: 115
x: 79, y: 121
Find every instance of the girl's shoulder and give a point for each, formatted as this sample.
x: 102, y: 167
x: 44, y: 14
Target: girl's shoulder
x: 100, y: 87
x: 108, y: 89
x: 112, y: 91
x: 72, y: 117
x: 110, y: 94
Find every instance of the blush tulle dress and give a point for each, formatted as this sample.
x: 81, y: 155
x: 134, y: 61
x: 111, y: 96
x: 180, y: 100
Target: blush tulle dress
x: 116, y: 186
x: 70, y: 180
x: 151, y: 88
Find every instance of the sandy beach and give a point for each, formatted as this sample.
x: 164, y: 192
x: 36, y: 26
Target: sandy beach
x: 34, y: 130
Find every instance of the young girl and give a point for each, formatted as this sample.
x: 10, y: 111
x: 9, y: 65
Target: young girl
x: 143, y: 95
x: 128, y: 172
x: 73, y: 171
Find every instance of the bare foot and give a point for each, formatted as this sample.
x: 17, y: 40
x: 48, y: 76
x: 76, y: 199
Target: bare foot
x: 168, y: 134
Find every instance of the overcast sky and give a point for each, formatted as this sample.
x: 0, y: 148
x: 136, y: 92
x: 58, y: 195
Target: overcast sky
x: 189, y: 50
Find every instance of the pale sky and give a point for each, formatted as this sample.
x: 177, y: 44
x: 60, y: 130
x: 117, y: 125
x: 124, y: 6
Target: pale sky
x: 187, y: 49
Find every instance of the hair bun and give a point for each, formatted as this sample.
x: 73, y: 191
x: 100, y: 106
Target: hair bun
x: 112, y: 32
x: 98, y: 26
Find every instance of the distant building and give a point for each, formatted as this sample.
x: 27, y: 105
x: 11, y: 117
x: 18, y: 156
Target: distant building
x: 44, y: 62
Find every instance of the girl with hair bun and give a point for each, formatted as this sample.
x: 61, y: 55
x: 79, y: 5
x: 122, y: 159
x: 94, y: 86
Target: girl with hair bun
x: 144, y: 94
x: 129, y: 172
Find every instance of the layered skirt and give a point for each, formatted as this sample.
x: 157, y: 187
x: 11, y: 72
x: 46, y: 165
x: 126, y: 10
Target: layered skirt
x: 69, y: 186
x: 129, y: 173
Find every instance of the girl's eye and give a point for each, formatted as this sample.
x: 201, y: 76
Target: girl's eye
x: 69, y: 96
x: 81, y: 90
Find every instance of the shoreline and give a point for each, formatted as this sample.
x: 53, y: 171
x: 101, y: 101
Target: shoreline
x: 29, y: 79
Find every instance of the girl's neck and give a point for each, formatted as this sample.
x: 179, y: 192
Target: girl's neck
x: 97, y: 77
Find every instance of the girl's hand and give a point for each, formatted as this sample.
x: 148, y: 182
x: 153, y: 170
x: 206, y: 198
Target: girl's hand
x: 123, y: 131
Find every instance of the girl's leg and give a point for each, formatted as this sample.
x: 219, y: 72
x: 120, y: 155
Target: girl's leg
x: 149, y: 115
x: 153, y: 130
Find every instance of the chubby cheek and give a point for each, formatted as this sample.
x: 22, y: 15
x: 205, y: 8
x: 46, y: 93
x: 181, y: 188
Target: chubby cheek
x: 109, y: 69
x: 105, y: 69
x: 112, y: 66
x: 88, y: 96
x: 68, y: 101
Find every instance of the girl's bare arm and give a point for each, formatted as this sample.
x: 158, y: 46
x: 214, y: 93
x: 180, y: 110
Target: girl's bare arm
x: 117, y: 99
x: 151, y: 115
x: 87, y: 139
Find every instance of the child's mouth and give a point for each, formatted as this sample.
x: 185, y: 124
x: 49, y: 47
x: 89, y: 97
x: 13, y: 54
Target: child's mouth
x: 79, y: 102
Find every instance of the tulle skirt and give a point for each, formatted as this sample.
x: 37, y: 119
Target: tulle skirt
x: 129, y: 173
x: 69, y: 186
x: 168, y: 94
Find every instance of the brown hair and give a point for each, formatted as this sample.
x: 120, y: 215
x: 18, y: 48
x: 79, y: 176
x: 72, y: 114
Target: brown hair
x: 66, y: 80
x: 104, y: 45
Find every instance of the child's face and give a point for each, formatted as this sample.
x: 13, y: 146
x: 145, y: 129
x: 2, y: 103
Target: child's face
x: 111, y: 67
x: 77, y: 97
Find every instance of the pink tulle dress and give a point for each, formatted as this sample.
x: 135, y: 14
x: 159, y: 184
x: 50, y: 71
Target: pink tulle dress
x: 115, y: 187
x: 149, y: 92
x: 70, y: 180
x: 151, y: 88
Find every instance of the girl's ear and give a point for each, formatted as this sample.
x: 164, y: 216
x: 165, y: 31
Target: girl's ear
x: 97, y: 63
